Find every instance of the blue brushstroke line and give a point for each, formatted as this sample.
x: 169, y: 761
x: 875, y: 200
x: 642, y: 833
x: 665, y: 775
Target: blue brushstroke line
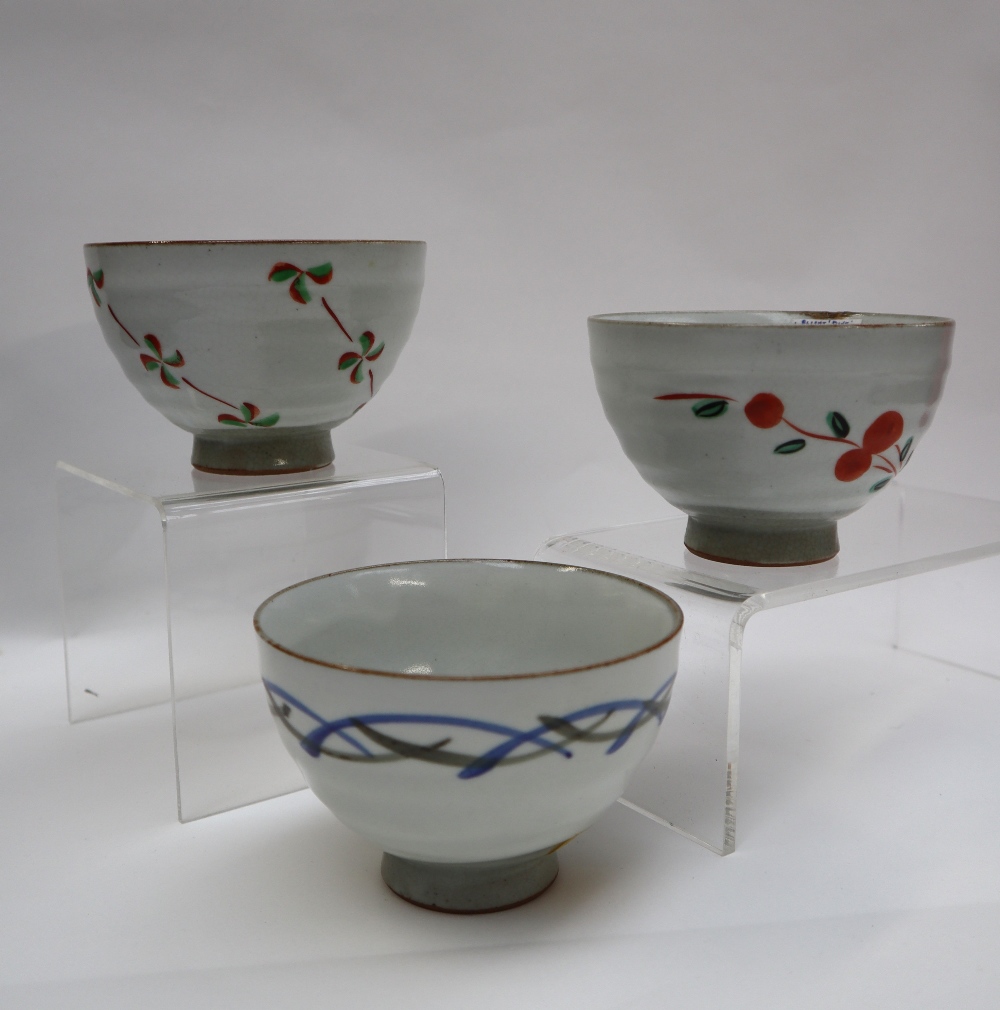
x: 309, y: 748
x: 486, y: 762
x: 312, y: 742
x: 491, y: 758
x: 627, y: 732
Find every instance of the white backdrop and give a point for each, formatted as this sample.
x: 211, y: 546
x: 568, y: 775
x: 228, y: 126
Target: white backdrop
x: 560, y: 159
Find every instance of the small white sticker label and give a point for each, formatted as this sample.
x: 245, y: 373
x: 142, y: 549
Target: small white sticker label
x: 848, y: 319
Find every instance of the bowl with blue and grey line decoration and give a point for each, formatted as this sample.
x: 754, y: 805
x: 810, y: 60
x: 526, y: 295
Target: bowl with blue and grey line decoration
x: 468, y: 716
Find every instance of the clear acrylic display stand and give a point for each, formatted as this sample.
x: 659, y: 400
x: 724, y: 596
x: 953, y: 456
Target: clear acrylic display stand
x: 688, y: 781
x: 163, y: 567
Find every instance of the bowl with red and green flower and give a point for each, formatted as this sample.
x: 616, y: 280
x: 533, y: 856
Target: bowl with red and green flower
x: 258, y: 349
x: 766, y: 428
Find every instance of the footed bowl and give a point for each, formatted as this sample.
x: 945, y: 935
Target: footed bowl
x: 468, y: 716
x: 256, y: 348
x: 768, y: 427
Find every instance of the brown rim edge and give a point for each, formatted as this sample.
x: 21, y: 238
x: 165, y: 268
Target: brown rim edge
x: 261, y: 241
x: 626, y: 318
x: 759, y: 564
x: 672, y: 604
x: 260, y: 473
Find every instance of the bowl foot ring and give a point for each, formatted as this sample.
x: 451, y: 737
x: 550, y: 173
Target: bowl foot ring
x: 763, y: 547
x: 468, y: 888
x: 245, y: 453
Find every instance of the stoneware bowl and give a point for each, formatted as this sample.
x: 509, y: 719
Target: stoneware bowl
x: 468, y: 716
x: 257, y: 348
x: 768, y: 427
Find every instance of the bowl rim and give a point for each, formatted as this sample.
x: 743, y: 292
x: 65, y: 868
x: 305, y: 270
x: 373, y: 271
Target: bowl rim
x: 259, y: 242
x: 671, y: 603
x: 714, y: 319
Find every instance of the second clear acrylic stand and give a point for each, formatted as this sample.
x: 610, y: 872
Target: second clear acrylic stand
x: 688, y: 782
x: 162, y: 568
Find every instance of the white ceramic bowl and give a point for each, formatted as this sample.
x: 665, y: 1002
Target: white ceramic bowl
x: 257, y: 348
x: 468, y: 716
x: 768, y: 427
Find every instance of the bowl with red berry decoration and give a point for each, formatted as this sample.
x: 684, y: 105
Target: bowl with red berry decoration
x: 768, y: 427
x: 258, y: 349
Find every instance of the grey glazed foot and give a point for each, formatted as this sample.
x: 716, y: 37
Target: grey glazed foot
x: 471, y: 887
x: 762, y: 545
x: 244, y: 451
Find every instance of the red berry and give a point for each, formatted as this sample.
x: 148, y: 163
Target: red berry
x: 853, y: 464
x: 885, y: 430
x: 765, y: 410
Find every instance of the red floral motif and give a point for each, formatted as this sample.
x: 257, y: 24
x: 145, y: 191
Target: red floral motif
x: 880, y: 435
x: 156, y: 360
x: 249, y: 415
x: 356, y: 362
x: 852, y: 465
x: 94, y: 281
x: 765, y: 410
x: 349, y: 359
x: 281, y: 272
x: 883, y: 432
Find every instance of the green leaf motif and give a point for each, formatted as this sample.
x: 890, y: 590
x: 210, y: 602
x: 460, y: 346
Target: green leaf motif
x: 879, y: 484
x: 904, y: 453
x: 838, y: 424
x: 375, y: 353
x: 95, y: 281
x: 267, y: 422
x: 322, y: 273
x: 366, y: 340
x: 169, y: 379
x: 300, y: 285
x: 246, y: 412
x: 176, y: 359
x: 229, y: 419
x: 283, y: 275
x: 792, y: 445
x: 348, y: 360
x: 709, y: 408
x: 151, y: 365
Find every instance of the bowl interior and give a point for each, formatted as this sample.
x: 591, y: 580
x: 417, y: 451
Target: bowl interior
x: 468, y: 619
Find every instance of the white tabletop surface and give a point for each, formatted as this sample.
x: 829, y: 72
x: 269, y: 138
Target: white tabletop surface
x: 866, y: 873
